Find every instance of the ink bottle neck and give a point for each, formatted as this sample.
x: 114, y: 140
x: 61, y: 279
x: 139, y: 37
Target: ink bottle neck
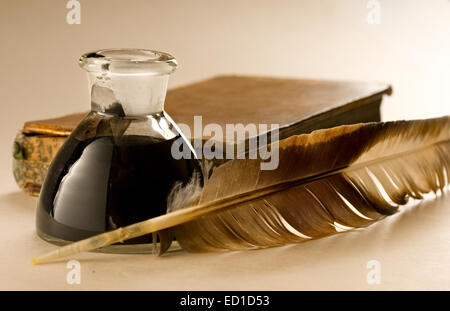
x: 134, y: 80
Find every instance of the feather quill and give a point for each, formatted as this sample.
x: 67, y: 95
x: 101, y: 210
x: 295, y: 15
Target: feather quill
x: 328, y: 181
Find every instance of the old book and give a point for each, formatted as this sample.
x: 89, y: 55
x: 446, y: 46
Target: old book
x: 297, y: 106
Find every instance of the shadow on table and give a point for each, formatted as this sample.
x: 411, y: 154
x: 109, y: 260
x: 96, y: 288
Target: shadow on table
x: 18, y: 200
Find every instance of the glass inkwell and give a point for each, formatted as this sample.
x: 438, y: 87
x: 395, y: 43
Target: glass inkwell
x: 116, y: 168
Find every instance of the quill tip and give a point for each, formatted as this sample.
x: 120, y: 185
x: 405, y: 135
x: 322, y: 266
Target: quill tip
x: 35, y: 261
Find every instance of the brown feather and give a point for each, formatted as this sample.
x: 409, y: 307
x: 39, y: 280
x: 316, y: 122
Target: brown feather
x: 327, y: 181
x: 344, y: 177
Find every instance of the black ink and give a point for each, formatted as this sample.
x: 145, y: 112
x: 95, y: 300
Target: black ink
x: 102, y: 182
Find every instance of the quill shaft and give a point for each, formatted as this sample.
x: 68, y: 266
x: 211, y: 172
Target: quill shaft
x: 141, y: 228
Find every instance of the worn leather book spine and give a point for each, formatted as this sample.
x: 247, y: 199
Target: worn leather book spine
x: 32, y: 155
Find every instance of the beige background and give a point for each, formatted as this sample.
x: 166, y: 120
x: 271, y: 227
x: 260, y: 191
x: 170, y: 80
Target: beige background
x: 324, y: 39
